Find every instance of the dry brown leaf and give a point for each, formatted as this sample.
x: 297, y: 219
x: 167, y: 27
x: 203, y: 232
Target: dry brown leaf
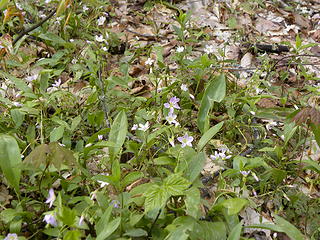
x: 265, y: 26
x: 267, y: 103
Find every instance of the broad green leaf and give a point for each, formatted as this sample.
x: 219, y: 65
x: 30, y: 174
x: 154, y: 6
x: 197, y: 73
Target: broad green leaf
x: 193, y: 202
x: 104, y: 220
x: 17, y: 117
x: 131, y: 177
x: 75, y: 122
x: 56, y: 134
x: 52, y: 37
x: 195, y: 166
x: 175, y: 185
x: 208, y: 135
x: 3, y: 4
x: 289, y: 130
x: 156, y: 197
x: 316, y: 131
x: 234, y: 205
x: 109, y: 228
x: 281, y: 225
x: 288, y: 228
x: 136, y: 232
x: 72, y: 235
x: 67, y: 216
x: 215, y: 92
x: 209, y: 231
x: 10, y: 160
x: 236, y: 232
x: 118, y: 133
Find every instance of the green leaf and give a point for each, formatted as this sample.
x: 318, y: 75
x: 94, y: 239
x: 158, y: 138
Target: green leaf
x: 3, y: 4
x: 236, y: 232
x: 19, y: 83
x: 234, y: 205
x: 288, y: 228
x: 109, y: 228
x: 316, y: 131
x: 156, y: 197
x: 75, y: 122
x: 10, y: 160
x: 193, y: 202
x: 118, y: 133
x: 56, y: 134
x: 72, y: 235
x: 195, y: 166
x: 130, y: 178
x: 313, y: 165
x: 215, y: 92
x: 52, y: 37
x: 67, y: 216
x: 211, y: 231
x: 17, y: 117
x: 289, y: 130
x: 281, y: 225
x: 208, y: 135
x: 175, y: 185
x: 136, y: 232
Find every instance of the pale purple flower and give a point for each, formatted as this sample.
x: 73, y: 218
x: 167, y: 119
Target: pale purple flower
x: 51, y: 198
x: 180, y: 49
x: 32, y: 77
x: 81, y: 220
x: 100, y: 137
x: 50, y: 219
x: 185, y: 140
x: 11, y: 236
x: 173, y: 103
x: 184, y: 87
x: 115, y: 203
x: 17, y: 104
x: 149, y: 61
x: 220, y: 155
x: 144, y: 127
x: 101, y: 20
x: 57, y: 83
x: 245, y: 173
x: 134, y: 127
x: 171, y: 118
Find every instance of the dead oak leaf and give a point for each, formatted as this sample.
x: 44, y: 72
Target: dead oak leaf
x: 265, y: 26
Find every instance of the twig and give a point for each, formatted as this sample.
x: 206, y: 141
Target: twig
x: 26, y: 31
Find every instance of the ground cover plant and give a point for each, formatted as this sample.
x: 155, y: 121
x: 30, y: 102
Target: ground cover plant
x: 154, y: 119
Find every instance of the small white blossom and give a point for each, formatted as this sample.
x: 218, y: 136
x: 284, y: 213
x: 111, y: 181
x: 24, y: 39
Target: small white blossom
x: 171, y: 118
x: 180, y: 49
x: 47, y: 1
x: 134, y: 127
x: 85, y: 8
x: 81, y: 220
x: 101, y: 20
x: 245, y: 173
x: 105, y: 49
x: 144, y: 127
x: 17, y: 104
x: 100, y: 137
x: 71, y: 40
x: 32, y: 77
x: 184, y: 87
x: 209, y: 49
x: 102, y: 183
x: 171, y: 141
x: 149, y: 61
x: 99, y: 38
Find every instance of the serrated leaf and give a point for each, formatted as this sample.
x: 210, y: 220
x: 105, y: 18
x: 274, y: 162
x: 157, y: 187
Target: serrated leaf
x: 156, y: 197
x: 175, y: 184
x: 10, y: 160
x: 118, y: 133
x: 215, y: 92
x: 208, y: 135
